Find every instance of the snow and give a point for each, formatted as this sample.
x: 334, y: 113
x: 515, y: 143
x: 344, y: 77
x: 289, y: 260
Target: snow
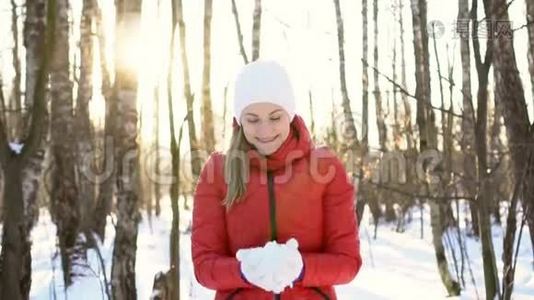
x: 395, y: 265
x: 17, y: 148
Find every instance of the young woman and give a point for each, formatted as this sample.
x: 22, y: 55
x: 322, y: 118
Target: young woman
x: 274, y: 216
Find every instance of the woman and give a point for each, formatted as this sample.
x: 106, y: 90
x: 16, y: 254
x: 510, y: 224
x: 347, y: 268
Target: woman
x: 274, y: 216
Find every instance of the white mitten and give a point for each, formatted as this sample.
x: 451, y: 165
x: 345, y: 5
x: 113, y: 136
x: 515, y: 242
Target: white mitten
x: 272, y: 267
x: 293, y: 263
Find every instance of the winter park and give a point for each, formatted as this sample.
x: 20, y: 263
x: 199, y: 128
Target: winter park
x: 266, y: 149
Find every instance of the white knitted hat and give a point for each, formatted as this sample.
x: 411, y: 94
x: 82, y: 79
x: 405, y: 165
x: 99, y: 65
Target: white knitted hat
x: 263, y: 81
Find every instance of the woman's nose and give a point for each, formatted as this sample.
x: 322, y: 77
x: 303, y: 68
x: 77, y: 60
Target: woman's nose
x: 264, y: 130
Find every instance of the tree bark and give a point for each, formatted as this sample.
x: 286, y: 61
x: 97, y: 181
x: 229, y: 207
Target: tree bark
x: 16, y: 114
x: 350, y: 132
x: 34, y: 37
x: 363, y: 194
x: 16, y: 249
x: 196, y: 163
x: 239, y: 33
x: 207, y: 113
x: 530, y: 54
x: 16, y: 245
x: 125, y: 246
x: 174, y: 246
x: 468, y: 127
x: 365, y: 77
x: 105, y: 193
x: 64, y: 194
x: 428, y: 133
x: 256, y: 30
x: 491, y: 279
x: 157, y: 187
x: 509, y: 93
x: 82, y: 120
x: 380, y: 120
x: 406, y: 104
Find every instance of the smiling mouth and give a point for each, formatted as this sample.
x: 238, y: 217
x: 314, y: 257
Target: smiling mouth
x: 265, y: 141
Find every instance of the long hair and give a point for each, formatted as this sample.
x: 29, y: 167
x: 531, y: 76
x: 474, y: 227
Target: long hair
x: 236, y: 168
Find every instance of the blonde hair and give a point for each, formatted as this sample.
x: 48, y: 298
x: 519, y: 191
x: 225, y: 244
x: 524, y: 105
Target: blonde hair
x: 236, y: 168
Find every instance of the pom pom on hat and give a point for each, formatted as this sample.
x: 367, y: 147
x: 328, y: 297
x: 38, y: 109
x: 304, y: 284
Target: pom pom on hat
x: 263, y: 81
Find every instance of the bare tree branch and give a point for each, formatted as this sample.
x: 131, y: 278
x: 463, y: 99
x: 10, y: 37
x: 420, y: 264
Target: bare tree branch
x: 239, y: 33
x: 410, y: 194
x: 404, y: 91
x: 523, y: 26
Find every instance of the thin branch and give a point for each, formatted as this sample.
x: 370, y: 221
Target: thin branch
x: 523, y: 26
x: 404, y: 91
x: 420, y: 196
x: 4, y: 147
x: 239, y: 33
x: 93, y: 244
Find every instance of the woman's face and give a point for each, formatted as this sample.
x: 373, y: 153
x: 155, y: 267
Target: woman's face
x: 266, y: 126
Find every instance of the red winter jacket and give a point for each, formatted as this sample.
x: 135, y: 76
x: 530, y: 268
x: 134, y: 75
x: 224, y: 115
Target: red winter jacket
x: 298, y: 191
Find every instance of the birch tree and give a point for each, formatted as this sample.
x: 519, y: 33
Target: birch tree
x: 207, y: 113
x: 428, y: 133
x: 64, y: 194
x: 125, y: 245
x: 15, y: 277
x: 509, y: 93
x: 256, y: 30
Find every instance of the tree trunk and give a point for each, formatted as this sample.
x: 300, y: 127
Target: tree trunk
x: 125, y: 246
x: 510, y: 94
x: 196, y: 163
x: 530, y: 54
x: 34, y: 37
x: 174, y: 268
x: 64, y: 194
x: 362, y: 196
x: 495, y: 158
x: 396, y: 125
x: 16, y: 249
x: 239, y: 33
x: 380, y: 120
x: 256, y: 30
x: 207, y: 113
x: 82, y: 121
x: 488, y: 255
x: 349, y: 130
x: 16, y: 245
x: 16, y: 114
x: 406, y: 104
x: 509, y: 237
x: 105, y: 192
x: 157, y: 187
x: 174, y: 245
x: 428, y: 133
x: 312, y: 116
x: 468, y: 127
x: 3, y: 116
x: 365, y: 78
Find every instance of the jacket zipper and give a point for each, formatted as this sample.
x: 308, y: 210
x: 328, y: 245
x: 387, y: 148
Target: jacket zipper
x: 272, y: 218
x: 274, y: 232
x: 272, y: 214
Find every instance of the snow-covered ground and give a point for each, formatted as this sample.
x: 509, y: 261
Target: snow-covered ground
x: 395, y: 265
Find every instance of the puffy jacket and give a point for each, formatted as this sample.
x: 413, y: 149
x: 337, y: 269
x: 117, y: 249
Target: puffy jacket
x: 299, y: 191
